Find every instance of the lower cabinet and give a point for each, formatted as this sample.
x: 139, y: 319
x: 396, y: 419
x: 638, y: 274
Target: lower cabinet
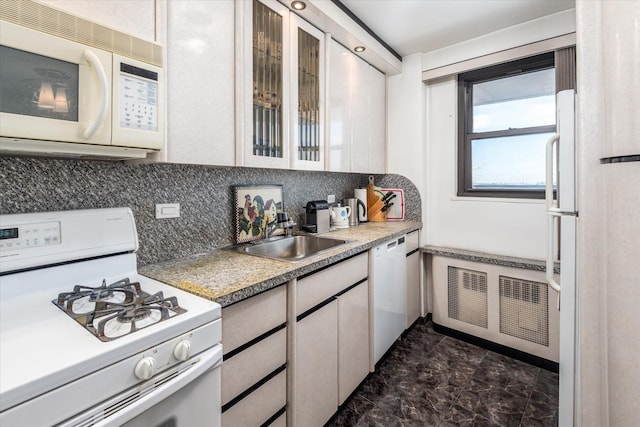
x: 329, y: 340
x: 254, y: 374
x: 353, y: 339
x: 414, y: 299
x: 316, y: 385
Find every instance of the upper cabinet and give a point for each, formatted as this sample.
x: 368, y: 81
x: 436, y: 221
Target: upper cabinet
x: 307, y: 95
x: 357, y: 114
x: 262, y: 72
x: 280, y: 74
x: 198, y: 36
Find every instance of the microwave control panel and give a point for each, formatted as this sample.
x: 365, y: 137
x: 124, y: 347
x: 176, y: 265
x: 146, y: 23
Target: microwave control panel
x: 138, y: 98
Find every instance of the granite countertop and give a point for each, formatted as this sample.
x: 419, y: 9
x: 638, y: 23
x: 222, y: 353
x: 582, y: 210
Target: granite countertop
x: 227, y: 276
x: 487, y: 258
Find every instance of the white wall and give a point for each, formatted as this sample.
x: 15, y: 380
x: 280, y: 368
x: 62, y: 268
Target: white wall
x: 405, y: 125
x: 422, y: 135
x: 554, y: 25
x: 515, y: 228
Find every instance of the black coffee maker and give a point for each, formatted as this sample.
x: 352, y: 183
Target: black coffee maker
x: 317, y: 216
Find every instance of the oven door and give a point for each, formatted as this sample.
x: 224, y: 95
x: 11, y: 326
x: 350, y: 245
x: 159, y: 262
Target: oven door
x: 182, y: 397
x: 197, y: 404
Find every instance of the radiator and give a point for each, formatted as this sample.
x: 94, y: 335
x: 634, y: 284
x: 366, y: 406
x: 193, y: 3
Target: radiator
x: 467, y: 290
x: 506, y: 305
x: 524, y: 311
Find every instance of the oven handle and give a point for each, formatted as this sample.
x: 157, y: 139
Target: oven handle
x: 208, y: 359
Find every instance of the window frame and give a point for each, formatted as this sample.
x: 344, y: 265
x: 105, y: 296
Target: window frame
x: 465, y: 123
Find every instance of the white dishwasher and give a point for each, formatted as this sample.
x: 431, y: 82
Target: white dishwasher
x: 387, y: 296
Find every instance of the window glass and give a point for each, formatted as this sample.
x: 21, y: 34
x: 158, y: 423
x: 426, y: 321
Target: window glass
x: 516, y: 102
x: 509, y: 163
x: 507, y: 113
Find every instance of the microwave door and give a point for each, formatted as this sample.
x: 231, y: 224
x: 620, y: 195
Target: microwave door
x: 53, y: 88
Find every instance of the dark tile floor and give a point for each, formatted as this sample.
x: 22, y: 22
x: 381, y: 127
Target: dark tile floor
x: 430, y: 379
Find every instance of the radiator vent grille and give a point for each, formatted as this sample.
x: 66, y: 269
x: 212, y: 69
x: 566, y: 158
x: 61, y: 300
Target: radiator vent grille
x: 467, y: 291
x: 46, y: 19
x: 524, y: 311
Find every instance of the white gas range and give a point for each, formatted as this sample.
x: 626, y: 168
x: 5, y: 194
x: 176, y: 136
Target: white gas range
x: 86, y: 340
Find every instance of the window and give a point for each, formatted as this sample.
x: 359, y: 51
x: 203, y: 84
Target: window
x: 507, y: 113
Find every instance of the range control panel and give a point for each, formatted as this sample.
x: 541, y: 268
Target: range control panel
x: 30, y: 235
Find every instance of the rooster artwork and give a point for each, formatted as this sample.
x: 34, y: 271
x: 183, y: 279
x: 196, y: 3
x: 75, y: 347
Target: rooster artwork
x: 254, y: 213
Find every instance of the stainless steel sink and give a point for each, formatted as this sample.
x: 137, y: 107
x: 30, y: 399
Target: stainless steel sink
x: 291, y: 248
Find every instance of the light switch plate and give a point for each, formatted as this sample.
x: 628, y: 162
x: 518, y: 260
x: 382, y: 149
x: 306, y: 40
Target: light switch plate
x: 331, y: 198
x: 167, y: 210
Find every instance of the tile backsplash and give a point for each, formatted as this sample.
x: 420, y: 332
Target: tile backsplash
x: 204, y: 193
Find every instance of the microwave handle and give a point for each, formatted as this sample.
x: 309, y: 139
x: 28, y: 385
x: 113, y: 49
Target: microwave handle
x: 102, y: 79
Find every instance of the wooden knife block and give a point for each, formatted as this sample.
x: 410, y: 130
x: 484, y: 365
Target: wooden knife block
x: 374, y: 206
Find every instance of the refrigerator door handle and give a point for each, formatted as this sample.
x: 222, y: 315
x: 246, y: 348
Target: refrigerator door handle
x: 551, y: 216
x: 548, y: 191
x: 553, y: 212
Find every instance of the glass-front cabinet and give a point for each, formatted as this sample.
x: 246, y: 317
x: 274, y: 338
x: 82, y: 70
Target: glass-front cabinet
x: 268, y: 64
x: 280, y: 71
x: 307, y: 94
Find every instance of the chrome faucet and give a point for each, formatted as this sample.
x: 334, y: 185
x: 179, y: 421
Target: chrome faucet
x: 269, y: 228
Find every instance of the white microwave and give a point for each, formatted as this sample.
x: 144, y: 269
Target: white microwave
x: 70, y: 87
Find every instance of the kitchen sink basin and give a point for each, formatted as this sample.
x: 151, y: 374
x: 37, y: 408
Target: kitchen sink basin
x: 291, y: 248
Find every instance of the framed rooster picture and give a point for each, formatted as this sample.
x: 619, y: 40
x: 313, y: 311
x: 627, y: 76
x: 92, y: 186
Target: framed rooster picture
x: 256, y: 208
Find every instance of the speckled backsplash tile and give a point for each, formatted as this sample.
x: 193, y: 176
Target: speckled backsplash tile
x: 204, y: 193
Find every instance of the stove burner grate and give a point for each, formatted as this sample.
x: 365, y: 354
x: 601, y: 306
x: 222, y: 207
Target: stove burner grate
x: 118, y: 309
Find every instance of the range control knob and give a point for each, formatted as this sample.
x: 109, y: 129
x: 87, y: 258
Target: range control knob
x: 182, y: 350
x: 145, y: 368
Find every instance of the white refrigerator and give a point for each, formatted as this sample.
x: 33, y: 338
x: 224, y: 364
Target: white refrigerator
x: 562, y: 215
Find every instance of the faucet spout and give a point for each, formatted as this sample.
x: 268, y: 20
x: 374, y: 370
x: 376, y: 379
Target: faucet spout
x: 269, y: 228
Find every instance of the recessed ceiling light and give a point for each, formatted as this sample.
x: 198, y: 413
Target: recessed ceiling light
x: 298, y: 5
x: 359, y: 49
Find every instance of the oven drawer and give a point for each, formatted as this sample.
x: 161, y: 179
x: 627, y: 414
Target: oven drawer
x: 260, y: 406
x: 248, y: 319
x: 248, y: 367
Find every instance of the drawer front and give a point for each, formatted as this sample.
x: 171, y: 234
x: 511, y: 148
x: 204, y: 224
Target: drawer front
x: 413, y: 241
x: 252, y: 317
x: 259, y: 406
x: 281, y: 421
x: 252, y: 364
x: 316, y: 288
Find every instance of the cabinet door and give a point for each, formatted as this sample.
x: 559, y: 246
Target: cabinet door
x: 262, y: 71
x: 377, y: 121
x: 353, y: 339
x: 413, y: 288
x: 356, y: 114
x: 316, y: 377
x: 200, y: 54
x: 339, y: 120
x: 307, y: 95
x: 360, y: 120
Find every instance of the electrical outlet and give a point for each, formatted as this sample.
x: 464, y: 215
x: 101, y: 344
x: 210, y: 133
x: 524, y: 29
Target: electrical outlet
x: 167, y: 210
x: 331, y: 198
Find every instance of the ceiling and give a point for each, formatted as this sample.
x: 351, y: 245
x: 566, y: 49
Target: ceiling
x: 412, y: 26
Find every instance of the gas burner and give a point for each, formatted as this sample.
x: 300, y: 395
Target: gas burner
x: 118, y: 309
x: 86, y: 299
